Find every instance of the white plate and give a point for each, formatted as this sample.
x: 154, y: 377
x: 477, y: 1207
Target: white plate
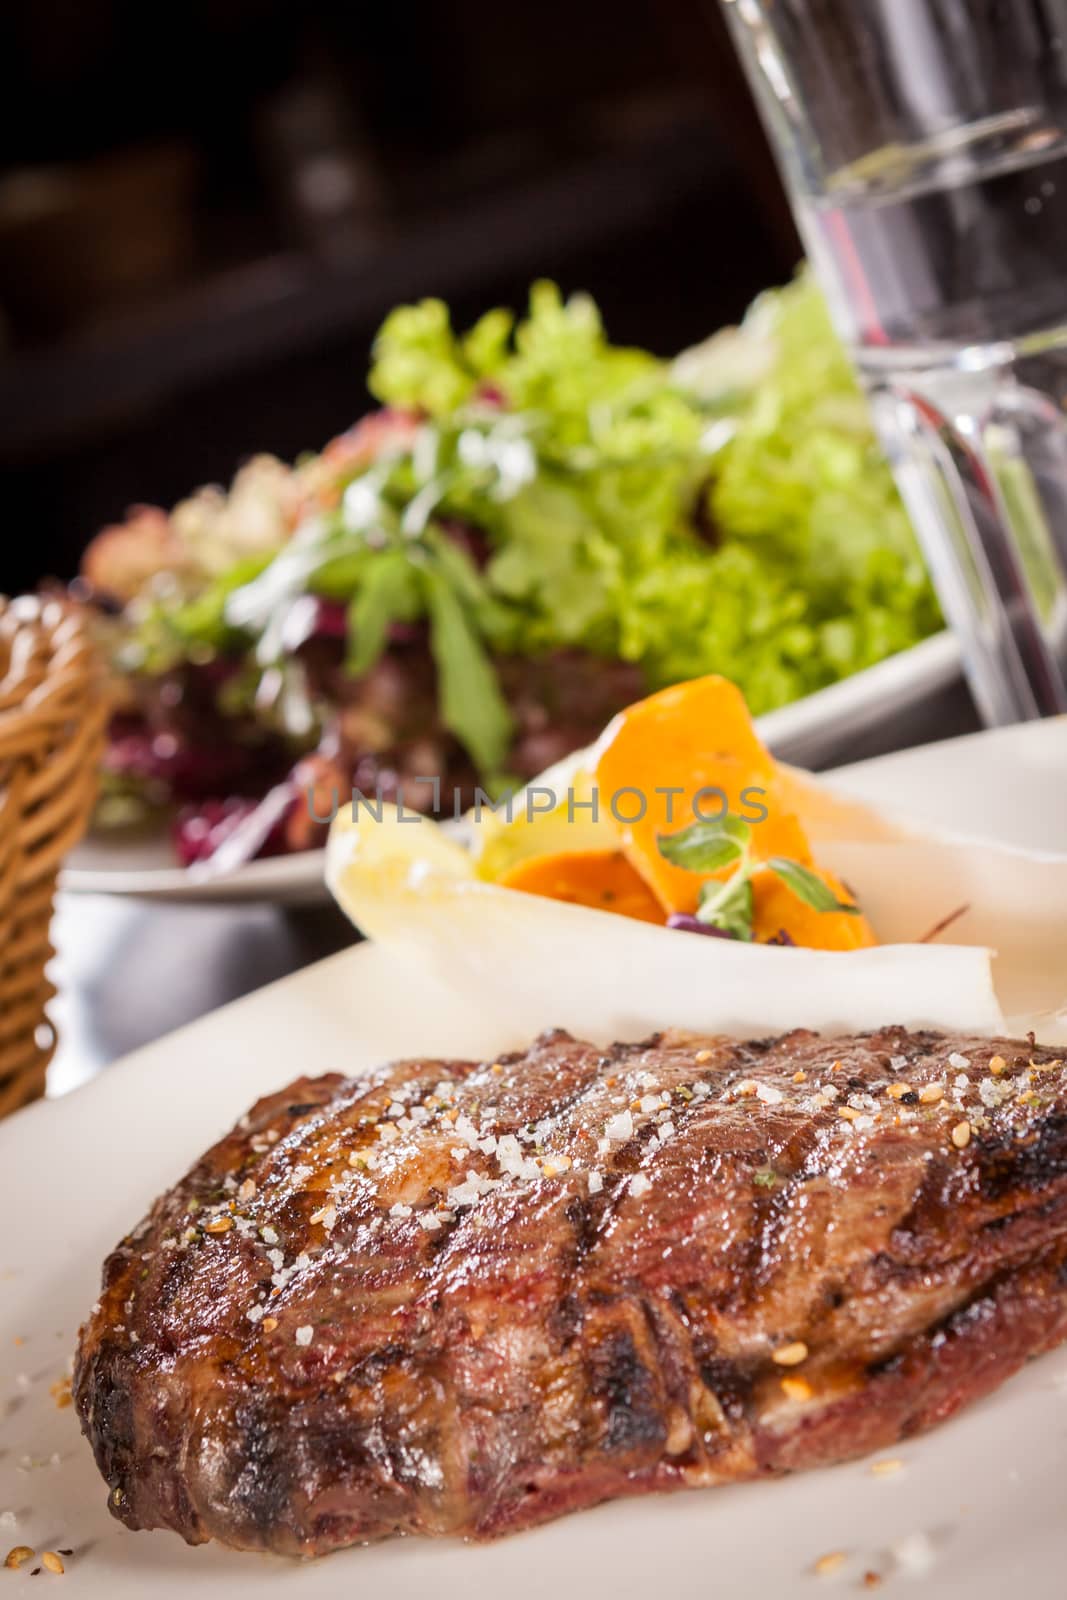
x: 1007, y: 784
x: 812, y: 732
x: 76, y: 1173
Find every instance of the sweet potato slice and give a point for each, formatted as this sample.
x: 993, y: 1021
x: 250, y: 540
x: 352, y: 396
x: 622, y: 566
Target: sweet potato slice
x: 777, y: 910
x: 603, y: 879
x: 697, y: 740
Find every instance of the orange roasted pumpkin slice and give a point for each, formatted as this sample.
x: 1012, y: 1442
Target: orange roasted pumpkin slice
x: 603, y: 879
x: 691, y: 753
x: 685, y: 754
x: 777, y: 910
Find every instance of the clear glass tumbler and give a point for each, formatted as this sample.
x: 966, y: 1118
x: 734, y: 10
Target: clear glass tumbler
x: 924, y: 143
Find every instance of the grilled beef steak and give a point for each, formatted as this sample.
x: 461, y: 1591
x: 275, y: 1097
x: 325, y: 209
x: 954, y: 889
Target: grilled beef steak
x: 459, y: 1298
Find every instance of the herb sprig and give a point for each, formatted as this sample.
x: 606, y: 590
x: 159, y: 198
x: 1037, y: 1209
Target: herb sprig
x: 728, y: 903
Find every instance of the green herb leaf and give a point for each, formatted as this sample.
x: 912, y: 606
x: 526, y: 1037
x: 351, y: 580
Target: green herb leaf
x: 471, y: 702
x: 807, y: 886
x: 706, y: 846
x: 729, y: 906
x: 389, y: 593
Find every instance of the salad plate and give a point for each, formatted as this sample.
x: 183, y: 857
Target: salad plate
x: 898, y: 699
x: 972, y: 1509
x: 535, y: 527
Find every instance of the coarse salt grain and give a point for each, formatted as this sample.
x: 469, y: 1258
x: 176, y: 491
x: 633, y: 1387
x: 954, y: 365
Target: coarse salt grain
x: 596, y: 1183
x: 993, y: 1093
x: 639, y: 1185
x: 914, y: 1554
x: 958, y: 1061
x: 620, y: 1127
x: 303, y: 1335
x: 769, y: 1095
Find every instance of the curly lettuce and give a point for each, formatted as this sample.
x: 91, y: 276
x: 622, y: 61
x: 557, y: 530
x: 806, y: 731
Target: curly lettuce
x: 728, y: 512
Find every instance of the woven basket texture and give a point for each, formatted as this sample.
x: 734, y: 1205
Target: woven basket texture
x: 53, y: 713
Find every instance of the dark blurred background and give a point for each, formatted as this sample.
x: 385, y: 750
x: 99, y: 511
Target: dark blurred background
x: 207, y: 209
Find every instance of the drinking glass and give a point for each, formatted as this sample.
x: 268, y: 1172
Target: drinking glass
x: 924, y: 145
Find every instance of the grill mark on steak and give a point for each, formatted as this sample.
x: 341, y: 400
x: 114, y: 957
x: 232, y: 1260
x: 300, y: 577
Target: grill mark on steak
x: 1033, y: 1164
x: 546, y: 1344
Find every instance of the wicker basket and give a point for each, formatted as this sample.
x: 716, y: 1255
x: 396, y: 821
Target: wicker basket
x: 53, y: 711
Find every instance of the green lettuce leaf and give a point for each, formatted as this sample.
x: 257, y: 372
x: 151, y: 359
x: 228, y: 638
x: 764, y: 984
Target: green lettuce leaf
x: 472, y: 705
x: 389, y: 593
